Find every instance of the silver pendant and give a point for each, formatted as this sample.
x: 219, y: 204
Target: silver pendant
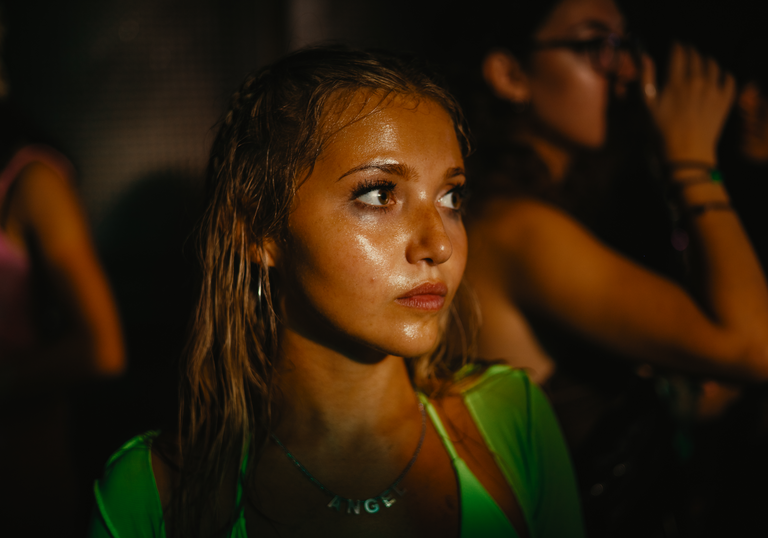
x: 388, y: 500
x: 370, y: 505
x: 335, y: 503
x: 353, y: 507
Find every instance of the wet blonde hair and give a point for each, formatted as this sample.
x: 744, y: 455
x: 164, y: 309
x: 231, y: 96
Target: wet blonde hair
x: 268, y: 142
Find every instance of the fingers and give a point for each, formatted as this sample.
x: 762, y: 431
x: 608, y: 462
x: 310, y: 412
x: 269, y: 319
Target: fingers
x: 712, y: 71
x: 678, y: 62
x: 695, y: 63
x: 691, y: 109
x: 686, y: 64
x: 648, y: 80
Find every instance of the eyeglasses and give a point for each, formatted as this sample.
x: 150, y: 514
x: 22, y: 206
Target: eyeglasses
x: 604, y: 52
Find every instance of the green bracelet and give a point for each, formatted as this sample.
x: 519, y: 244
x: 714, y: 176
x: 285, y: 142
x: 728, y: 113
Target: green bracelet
x: 713, y: 176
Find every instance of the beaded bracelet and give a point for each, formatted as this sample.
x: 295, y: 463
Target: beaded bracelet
x: 713, y: 175
x: 699, y: 165
x: 700, y: 209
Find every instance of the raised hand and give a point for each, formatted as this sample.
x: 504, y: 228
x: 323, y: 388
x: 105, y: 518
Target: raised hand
x: 692, y: 107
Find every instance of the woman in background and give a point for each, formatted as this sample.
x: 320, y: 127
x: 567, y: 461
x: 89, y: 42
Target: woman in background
x: 733, y: 430
x: 328, y: 389
x: 58, y: 326
x: 555, y: 298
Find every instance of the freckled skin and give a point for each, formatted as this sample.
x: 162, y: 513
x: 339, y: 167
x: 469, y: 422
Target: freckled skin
x: 344, y: 262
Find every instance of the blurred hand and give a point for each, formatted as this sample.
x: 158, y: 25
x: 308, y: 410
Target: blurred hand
x: 692, y: 108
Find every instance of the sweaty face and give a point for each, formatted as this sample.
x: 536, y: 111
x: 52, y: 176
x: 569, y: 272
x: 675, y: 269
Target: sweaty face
x: 376, y: 248
x: 753, y: 112
x: 569, y: 96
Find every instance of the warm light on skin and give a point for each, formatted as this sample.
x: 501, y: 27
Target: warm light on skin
x: 568, y: 96
x: 753, y: 112
x: 372, y: 222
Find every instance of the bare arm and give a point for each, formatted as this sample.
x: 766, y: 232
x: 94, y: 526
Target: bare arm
x: 556, y: 266
x: 553, y: 264
x: 690, y: 114
x: 46, y: 206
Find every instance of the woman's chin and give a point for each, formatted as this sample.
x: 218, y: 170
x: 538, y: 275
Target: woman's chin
x: 413, y: 341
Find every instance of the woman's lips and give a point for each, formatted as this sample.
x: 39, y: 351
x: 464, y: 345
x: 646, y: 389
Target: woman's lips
x: 427, y: 296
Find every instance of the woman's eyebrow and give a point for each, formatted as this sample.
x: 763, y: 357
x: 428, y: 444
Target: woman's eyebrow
x: 396, y: 169
x: 596, y: 24
x: 454, y: 172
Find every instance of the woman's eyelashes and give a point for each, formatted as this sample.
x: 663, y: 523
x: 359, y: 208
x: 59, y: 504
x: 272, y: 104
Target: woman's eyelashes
x: 453, y: 199
x: 381, y: 195
x: 375, y: 193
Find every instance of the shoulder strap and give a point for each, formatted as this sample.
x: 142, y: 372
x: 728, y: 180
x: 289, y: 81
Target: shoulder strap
x: 126, y: 495
x: 435, y: 418
x: 241, y: 477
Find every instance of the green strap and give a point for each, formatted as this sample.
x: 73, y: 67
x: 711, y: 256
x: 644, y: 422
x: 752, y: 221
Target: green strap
x: 439, y: 427
x: 240, y: 478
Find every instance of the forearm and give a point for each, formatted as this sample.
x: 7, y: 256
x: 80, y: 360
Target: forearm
x: 733, y: 283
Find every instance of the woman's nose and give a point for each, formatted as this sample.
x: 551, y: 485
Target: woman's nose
x: 429, y: 242
x: 626, y: 71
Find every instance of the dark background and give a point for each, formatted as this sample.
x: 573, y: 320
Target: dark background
x: 131, y: 91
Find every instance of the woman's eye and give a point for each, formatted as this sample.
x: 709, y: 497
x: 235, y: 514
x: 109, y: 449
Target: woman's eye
x: 377, y: 197
x: 452, y: 199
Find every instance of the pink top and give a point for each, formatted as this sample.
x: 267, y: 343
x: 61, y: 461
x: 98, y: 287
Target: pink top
x: 16, y: 327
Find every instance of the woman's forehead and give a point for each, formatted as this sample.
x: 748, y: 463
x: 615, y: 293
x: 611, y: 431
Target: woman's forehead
x: 571, y: 16
x: 347, y: 108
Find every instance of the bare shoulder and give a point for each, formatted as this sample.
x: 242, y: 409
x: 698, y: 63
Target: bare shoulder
x: 165, y: 467
x: 47, y: 205
x: 39, y: 182
x: 512, y: 222
x: 47, y: 200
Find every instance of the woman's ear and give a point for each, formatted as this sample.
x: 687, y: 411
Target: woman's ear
x: 506, y: 77
x: 269, y: 254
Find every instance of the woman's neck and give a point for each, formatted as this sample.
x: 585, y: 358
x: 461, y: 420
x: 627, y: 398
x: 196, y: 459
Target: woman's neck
x: 325, y: 393
x: 556, y: 155
x: 556, y: 158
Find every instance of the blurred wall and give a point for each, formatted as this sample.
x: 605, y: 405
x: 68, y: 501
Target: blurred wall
x: 130, y: 88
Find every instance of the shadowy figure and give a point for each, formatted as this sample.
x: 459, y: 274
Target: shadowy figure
x: 562, y: 293
x: 58, y: 329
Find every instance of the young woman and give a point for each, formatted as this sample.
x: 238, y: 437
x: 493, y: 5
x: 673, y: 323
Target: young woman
x: 555, y: 298
x: 529, y: 252
x: 322, y: 394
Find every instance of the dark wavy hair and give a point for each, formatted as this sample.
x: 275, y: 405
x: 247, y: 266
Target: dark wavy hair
x: 277, y: 126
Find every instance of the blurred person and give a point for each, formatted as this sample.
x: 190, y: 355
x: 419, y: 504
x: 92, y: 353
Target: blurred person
x: 744, y: 151
x: 329, y: 352
x: 58, y: 326
x: 752, y: 106
x: 732, y: 432
x: 44, y: 239
x: 556, y: 299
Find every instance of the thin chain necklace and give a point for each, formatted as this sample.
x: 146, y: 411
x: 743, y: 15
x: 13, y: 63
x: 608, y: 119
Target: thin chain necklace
x: 371, y: 505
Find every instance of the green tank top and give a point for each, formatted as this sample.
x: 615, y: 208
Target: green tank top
x: 512, y: 415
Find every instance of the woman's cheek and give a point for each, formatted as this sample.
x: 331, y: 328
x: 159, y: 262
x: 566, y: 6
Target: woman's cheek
x: 572, y: 99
